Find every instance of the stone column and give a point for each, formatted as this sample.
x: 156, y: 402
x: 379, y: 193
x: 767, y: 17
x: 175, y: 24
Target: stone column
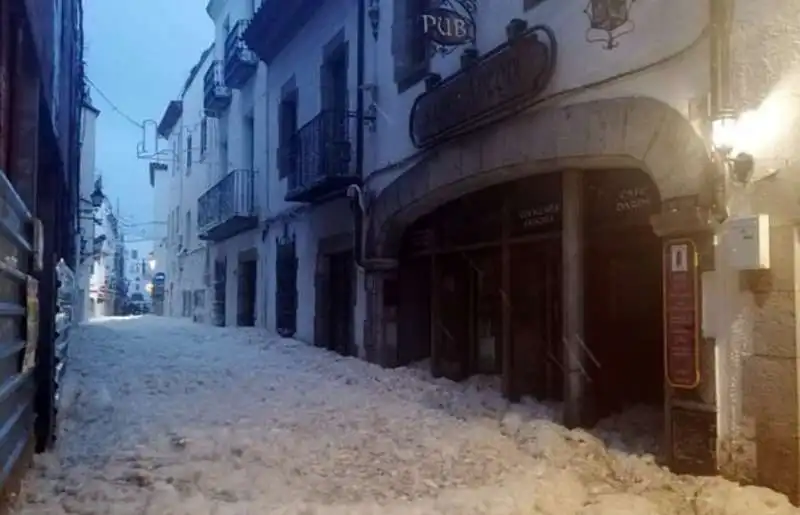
x: 762, y: 443
x: 572, y: 302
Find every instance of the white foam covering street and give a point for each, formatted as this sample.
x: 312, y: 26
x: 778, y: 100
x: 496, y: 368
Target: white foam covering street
x: 163, y: 416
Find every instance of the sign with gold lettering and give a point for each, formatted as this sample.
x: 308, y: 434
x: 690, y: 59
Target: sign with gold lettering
x: 447, y: 27
x: 506, y: 80
x: 681, y: 314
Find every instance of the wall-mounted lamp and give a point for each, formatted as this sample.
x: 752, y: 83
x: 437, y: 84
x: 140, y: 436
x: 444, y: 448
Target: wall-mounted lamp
x: 95, y: 199
x: 374, y: 15
x: 725, y: 137
x: 723, y: 131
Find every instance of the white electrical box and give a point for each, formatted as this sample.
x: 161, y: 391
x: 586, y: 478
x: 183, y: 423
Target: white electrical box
x: 748, y: 242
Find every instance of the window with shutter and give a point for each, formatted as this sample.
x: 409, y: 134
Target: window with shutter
x: 203, y: 137
x: 410, y: 46
x: 287, y: 126
x: 189, y: 155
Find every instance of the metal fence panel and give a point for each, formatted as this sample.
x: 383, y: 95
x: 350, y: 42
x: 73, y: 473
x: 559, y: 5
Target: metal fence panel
x: 18, y: 327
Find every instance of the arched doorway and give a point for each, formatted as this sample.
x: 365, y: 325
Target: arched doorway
x: 497, y: 253
x: 623, y: 319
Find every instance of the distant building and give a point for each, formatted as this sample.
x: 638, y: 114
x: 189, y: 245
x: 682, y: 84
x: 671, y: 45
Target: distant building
x: 179, y: 180
x: 107, y: 285
x: 89, y: 189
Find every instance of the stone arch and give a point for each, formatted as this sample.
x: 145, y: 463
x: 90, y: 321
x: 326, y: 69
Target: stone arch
x: 629, y: 132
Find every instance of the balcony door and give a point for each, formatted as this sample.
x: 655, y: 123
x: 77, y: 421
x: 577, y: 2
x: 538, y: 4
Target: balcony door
x: 334, y: 140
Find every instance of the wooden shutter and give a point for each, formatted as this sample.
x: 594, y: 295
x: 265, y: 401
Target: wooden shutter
x: 399, y: 38
x: 283, y: 168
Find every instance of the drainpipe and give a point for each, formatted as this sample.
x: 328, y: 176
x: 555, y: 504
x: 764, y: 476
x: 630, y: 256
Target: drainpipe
x: 355, y: 192
x: 720, y: 104
x: 720, y: 101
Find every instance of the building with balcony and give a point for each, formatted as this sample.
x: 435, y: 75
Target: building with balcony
x: 185, y: 169
x: 311, y: 100
x: 233, y: 206
x: 107, y: 285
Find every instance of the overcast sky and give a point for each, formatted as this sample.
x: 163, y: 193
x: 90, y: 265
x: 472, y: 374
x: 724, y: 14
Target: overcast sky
x: 139, y: 54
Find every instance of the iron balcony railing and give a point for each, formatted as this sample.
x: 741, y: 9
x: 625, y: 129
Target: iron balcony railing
x: 216, y: 94
x: 235, y: 47
x: 318, y: 150
x: 240, y: 62
x: 231, y: 197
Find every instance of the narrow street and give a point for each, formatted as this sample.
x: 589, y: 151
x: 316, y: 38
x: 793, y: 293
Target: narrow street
x: 162, y: 416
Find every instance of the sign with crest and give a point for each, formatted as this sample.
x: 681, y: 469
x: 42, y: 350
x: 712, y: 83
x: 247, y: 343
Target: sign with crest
x: 450, y: 25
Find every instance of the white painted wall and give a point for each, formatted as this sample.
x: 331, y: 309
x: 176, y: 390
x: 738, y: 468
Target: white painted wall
x: 86, y: 224
x: 190, y: 172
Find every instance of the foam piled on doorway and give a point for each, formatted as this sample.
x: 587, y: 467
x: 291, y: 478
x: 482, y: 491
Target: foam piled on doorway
x: 637, y: 429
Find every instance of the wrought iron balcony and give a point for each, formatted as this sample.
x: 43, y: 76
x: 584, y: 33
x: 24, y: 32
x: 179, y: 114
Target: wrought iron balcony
x: 318, y: 158
x: 216, y: 94
x: 227, y: 208
x: 240, y: 62
x: 275, y: 23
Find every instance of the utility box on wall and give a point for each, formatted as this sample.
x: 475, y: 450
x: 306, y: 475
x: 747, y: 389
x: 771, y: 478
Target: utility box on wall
x: 748, y: 242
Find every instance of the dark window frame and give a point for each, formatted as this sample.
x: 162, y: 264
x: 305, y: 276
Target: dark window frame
x: 288, y: 124
x: 203, y: 137
x: 408, y: 39
x: 189, y: 156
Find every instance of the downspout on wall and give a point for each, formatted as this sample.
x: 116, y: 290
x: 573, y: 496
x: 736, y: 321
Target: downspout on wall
x: 356, y: 192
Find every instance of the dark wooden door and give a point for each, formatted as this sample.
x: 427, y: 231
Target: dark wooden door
x: 286, y: 286
x: 623, y: 319
x: 413, y: 310
x: 220, y: 284
x: 340, y: 302
x: 536, y: 330
x: 488, y: 308
x: 247, y: 293
x: 452, y: 329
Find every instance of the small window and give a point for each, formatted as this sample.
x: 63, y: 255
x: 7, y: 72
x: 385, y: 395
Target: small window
x: 188, y: 240
x: 134, y: 254
x: 189, y: 154
x: 287, y: 126
x: 203, y: 137
x: 410, y: 46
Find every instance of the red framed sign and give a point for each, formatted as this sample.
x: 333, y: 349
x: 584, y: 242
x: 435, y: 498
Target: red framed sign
x: 681, y: 314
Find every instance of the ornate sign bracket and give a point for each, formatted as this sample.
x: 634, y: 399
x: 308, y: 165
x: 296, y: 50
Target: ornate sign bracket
x: 609, y: 20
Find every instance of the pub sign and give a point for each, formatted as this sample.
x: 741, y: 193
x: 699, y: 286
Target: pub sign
x: 447, y: 27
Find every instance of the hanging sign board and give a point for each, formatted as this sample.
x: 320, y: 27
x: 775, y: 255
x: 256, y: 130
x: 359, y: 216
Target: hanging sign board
x: 500, y: 84
x: 447, y: 27
x: 681, y: 314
